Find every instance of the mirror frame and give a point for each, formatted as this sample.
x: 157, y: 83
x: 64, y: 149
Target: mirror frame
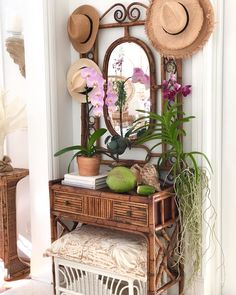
x: 126, y: 17
x: 152, y: 74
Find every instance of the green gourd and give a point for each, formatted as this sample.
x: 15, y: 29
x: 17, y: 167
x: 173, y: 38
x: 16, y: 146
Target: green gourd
x: 145, y: 190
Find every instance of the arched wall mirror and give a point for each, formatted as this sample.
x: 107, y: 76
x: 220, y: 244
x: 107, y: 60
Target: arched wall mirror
x: 130, y: 60
x: 121, y: 56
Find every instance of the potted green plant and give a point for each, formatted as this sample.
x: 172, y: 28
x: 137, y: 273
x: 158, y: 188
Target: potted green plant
x: 190, y: 181
x: 89, y: 155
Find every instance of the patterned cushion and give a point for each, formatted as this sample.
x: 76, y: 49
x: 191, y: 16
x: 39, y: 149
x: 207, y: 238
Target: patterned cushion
x: 119, y: 252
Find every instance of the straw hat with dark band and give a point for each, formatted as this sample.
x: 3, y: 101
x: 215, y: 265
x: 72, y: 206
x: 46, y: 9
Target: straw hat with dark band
x: 75, y: 83
x: 82, y: 28
x: 179, y: 28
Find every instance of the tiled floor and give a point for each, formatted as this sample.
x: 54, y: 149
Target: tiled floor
x: 29, y: 287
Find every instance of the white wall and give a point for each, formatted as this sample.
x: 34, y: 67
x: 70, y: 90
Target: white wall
x: 229, y: 148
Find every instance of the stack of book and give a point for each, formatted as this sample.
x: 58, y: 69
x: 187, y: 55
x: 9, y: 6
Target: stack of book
x: 92, y: 182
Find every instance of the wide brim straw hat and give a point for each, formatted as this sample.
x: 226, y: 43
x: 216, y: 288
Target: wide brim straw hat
x: 82, y: 28
x: 75, y: 83
x: 180, y: 28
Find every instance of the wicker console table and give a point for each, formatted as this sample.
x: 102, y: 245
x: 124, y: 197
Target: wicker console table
x: 153, y: 217
x: 8, y: 226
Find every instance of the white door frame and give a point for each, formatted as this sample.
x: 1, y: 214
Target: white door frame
x: 41, y: 94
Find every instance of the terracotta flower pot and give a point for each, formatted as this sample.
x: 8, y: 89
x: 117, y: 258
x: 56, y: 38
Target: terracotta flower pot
x: 88, y: 166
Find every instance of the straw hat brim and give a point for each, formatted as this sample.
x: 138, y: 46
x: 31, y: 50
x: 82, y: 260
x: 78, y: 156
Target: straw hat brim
x: 93, y: 15
x: 73, y: 70
x: 188, y: 42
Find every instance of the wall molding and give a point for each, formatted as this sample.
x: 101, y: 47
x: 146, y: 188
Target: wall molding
x: 39, y: 83
x: 50, y: 32
x: 207, y: 69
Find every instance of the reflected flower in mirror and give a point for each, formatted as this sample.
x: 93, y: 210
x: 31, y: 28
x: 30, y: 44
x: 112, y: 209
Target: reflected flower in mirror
x: 118, y: 63
x: 139, y: 76
x: 118, y: 94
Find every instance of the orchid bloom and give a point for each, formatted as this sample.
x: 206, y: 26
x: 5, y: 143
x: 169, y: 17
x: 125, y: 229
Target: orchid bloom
x: 87, y: 73
x: 170, y: 88
x: 111, y: 98
x: 94, y: 80
x: 98, y: 110
x: 139, y: 76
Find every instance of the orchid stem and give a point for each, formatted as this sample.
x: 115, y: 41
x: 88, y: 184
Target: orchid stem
x: 121, y: 122
x: 88, y: 114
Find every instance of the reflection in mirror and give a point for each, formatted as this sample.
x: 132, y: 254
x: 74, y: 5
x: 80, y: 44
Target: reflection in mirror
x: 129, y: 63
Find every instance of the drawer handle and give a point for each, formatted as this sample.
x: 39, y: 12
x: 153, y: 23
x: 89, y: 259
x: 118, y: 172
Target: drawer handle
x: 129, y: 213
x: 67, y: 203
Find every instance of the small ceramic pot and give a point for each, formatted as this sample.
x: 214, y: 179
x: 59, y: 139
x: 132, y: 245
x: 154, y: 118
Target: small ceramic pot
x: 88, y: 166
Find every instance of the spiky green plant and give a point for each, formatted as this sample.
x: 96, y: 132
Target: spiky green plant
x: 190, y: 180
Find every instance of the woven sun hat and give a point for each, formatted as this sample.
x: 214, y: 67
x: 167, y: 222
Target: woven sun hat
x: 180, y: 28
x: 82, y: 28
x: 75, y: 83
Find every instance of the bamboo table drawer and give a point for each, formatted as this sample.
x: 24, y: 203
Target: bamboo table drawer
x: 128, y: 212
x: 68, y: 203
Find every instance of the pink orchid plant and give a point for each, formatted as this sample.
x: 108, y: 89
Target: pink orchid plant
x: 94, y: 94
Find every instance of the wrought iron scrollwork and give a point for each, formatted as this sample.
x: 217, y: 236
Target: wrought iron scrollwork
x: 122, y: 13
x: 134, y: 12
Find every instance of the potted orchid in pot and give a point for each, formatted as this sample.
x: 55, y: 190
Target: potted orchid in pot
x: 87, y: 82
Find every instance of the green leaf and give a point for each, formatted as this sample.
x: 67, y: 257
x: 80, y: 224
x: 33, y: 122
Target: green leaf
x: 95, y: 136
x: 195, y: 165
x: 205, y: 157
x: 74, y: 156
x: 68, y: 149
x: 107, y: 139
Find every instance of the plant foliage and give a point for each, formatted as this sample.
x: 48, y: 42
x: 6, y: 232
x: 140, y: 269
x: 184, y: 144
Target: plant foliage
x: 190, y: 180
x: 88, y: 151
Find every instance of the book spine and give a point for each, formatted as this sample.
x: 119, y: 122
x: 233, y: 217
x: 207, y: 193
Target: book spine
x: 71, y: 183
x: 99, y: 181
x: 83, y: 179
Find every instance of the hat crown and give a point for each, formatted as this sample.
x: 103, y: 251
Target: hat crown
x: 173, y: 17
x: 77, y: 82
x: 80, y: 27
